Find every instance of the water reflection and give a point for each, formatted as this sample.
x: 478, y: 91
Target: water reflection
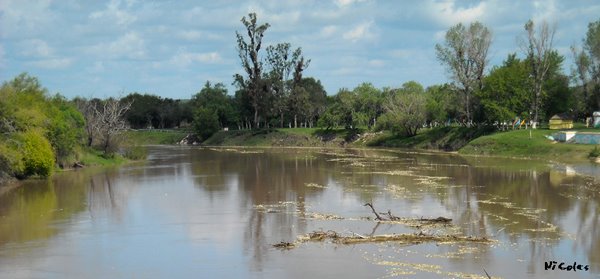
x: 216, y: 212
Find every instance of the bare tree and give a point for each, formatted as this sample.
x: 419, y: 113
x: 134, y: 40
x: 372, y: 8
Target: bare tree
x: 538, y: 48
x: 465, y: 54
x: 111, y: 121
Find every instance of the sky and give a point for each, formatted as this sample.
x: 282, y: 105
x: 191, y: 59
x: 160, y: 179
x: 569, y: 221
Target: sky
x: 171, y: 48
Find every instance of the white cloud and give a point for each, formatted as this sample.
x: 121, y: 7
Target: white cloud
x: 114, y: 13
x: 360, y: 32
x: 447, y: 13
x: 184, y: 59
x: 545, y: 10
x: 52, y: 63
x: 346, y: 3
x: 194, y: 35
x: 376, y: 63
x: 130, y: 45
x: 328, y: 31
x: 25, y: 16
x: 36, y: 48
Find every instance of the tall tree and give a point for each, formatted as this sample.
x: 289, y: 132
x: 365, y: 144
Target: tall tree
x: 299, y: 96
x: 587, y: 61
x: 251, y: 62
x: 537, y: 48
x: 282, y: 63
x: 465, y: 54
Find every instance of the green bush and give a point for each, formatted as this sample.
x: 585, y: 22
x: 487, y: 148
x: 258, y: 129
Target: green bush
x: 38, y: 157
x: 206, y: 123
x: 11, y: 161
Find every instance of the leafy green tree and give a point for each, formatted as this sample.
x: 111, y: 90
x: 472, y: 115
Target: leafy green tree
x: 405, y: 109
x: 206, y: 122
x: 440, y: 103
x: 506, y: 93
x: 369, y: 102
x: 587, y: 71
x: 464, y: 53
x: 215, y: 98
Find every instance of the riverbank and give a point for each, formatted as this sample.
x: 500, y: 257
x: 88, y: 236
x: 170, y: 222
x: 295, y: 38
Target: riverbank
x: 466, y: 141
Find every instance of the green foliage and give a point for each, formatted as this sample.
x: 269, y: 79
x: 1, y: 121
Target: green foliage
x: 215, y: 98
x: 38, y: 158
x: 506, y: 93
x: 11, y: 160
x: 206, y: 122
x: 405, y: 109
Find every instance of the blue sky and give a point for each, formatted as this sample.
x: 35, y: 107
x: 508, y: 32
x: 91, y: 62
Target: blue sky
x: 171, y: 48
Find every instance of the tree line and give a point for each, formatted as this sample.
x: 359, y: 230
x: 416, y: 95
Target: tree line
x: 39, y: 131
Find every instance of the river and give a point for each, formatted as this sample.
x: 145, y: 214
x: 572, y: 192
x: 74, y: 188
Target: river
x: 191, y: 212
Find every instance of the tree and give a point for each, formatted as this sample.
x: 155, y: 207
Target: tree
x: 465, y: 55
x: 440, y: 103
x: 300, y: 96
x: 111, y: 122
x: 369, y: 102
x: 282, y: 63
x: 215, y: 99
x: 249, y: 55
x: 537, y: 49
x: 587, y: 61
x: 405, y: 109
x: 506, y: 91
x: 206, y: 122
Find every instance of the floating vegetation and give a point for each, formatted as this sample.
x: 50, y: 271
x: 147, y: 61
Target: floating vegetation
x: 314, y: 185
x: 284, y: 245
x: 321, y: 216
x: 275, y: 208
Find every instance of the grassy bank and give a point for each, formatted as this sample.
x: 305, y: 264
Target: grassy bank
x: 519, y: 144
x: 144, y: 137
x: 442, y: 138
x: 468, y: 141
x: 92, y: 157
x: 307, y: 137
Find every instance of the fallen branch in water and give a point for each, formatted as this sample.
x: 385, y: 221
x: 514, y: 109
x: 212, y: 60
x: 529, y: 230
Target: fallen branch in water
x: 377, y: 217
x: 415, y: 238
x: 395, y: 218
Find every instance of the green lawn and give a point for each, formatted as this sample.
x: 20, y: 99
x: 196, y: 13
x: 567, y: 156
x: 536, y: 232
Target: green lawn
x: 518, y: 143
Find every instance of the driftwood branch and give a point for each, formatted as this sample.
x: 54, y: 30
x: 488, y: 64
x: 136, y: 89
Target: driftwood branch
x: 377, y: 217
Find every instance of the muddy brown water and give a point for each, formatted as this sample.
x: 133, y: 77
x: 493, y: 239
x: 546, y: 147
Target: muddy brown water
x: 192, y: 212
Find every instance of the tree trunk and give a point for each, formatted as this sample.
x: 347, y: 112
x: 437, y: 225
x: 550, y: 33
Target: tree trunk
x: 295, y: 121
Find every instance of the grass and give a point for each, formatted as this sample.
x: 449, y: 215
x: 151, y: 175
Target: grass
x: 441, y: 138
x: 519, y: 144
x: 311, y: 137
x: 144, y: 137
x: 92, y: 157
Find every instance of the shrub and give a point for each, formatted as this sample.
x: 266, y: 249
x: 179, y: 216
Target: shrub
x: 38, y: 157
x: 206, y: 123
x: 11, y: 161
